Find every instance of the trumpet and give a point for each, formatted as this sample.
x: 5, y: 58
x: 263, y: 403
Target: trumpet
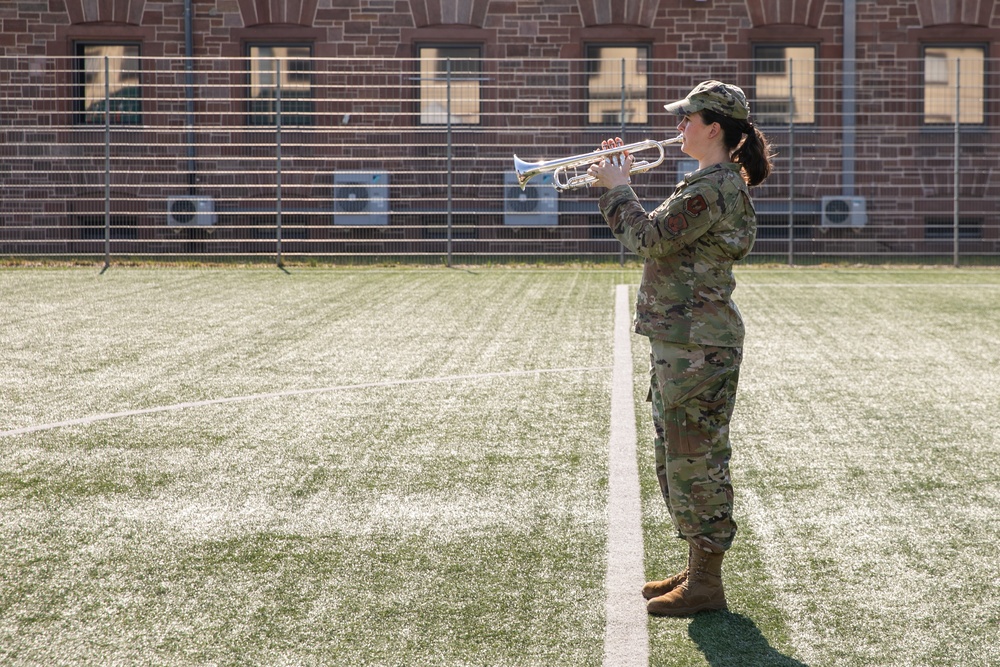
x: 528, y: 170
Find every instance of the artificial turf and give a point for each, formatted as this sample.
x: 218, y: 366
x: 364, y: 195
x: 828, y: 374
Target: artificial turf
x: 438, y: 495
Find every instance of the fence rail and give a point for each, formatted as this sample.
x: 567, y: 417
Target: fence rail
x: 362, y: 161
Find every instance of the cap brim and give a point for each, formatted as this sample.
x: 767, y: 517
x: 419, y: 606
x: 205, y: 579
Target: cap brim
x: 682, y: 107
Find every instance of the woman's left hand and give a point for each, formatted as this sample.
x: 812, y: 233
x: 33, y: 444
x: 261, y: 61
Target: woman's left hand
x: 612, y: 170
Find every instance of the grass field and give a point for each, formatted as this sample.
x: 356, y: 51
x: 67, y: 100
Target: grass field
x: 409, y: 467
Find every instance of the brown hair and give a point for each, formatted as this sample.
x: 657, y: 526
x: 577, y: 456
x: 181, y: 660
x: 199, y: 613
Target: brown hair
x: 753, y: 153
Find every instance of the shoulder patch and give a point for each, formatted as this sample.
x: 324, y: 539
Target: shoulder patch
x: 696, y: 205
x: 677, y: 223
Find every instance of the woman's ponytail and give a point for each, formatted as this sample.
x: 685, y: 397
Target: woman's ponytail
x: 753, y: 154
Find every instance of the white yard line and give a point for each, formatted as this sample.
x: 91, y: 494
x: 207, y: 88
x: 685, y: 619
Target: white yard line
x: 626, y: 633
x: 83, y: 421
x: 748, y: 284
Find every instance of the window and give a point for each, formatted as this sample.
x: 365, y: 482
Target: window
x: 785, y: 85
x: 294, y: 85
x: 462, y: 95
x: 954, y: 80
x: 613, y: 96
x: 108, y: 79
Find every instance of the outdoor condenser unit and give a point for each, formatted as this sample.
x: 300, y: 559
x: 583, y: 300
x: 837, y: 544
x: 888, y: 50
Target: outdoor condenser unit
x: 361, y: 198
x: 191, y: 211
x: 843, y: 212
x: 537, y: 205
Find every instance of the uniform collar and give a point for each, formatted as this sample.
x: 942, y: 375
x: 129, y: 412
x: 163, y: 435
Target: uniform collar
x: 702, y: 173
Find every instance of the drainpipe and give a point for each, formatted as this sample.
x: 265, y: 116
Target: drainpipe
x: 850, y: 91
x: 189, y: 94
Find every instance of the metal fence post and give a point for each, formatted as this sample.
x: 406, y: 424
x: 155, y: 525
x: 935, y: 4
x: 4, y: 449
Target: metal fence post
x: 955, y: 173
x: 448, y: 114
x: 107, y: 166
x: 277, y: 175
x: 791, y: 164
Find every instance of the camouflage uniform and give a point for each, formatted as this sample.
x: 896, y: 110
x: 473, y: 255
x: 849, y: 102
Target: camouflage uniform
x: 684, y: 307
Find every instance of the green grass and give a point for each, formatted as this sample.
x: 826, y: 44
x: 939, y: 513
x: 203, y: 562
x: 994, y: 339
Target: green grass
x: 462, y: 521
x: 867, y: 473
x: 453, y: 522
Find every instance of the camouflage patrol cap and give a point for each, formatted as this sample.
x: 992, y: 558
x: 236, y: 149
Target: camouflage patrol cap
x: 715, y: 96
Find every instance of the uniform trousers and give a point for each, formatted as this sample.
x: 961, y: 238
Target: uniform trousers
x: 693, y: 392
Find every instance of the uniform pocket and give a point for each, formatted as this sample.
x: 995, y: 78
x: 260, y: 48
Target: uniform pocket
x: 702, y: 420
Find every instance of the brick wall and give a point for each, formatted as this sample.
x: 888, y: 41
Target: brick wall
x: 535, y: 81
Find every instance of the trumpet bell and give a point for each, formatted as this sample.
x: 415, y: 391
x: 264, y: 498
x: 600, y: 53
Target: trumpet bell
x: 525, y: 171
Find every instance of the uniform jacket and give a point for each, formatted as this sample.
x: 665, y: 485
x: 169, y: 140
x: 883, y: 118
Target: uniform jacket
x: 689, y: 244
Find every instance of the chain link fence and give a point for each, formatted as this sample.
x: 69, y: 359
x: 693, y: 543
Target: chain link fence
x: 283, y: 157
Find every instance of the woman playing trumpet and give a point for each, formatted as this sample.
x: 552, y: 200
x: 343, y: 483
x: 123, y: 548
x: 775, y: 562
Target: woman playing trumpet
x: 685, y: 308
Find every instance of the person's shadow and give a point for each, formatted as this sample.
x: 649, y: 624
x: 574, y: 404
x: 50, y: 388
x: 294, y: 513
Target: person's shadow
x: 731, y: 640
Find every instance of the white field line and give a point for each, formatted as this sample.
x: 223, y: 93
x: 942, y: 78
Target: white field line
x: 749, y: 283
x: 82, y: 421
x: 626, y: 635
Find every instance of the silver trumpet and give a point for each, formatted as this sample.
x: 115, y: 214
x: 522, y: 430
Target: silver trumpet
x: 528, y: 170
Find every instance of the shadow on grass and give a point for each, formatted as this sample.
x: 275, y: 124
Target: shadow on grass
x: 731, y: 640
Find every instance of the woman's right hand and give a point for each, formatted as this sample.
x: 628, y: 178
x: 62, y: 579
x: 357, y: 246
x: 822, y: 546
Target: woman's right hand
x: 612, y: 170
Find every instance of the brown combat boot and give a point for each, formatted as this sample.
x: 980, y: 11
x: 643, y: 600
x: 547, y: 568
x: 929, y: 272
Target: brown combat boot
x: 701, y: 589
x: 654, y: 589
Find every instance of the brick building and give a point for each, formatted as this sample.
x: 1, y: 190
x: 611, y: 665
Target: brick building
x: 254, y: 107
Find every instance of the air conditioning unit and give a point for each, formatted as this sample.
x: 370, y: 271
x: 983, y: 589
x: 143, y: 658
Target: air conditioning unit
x: 191, y: 211
x: 843, y: 212
x: 535, y: 206
x: 361, y: 198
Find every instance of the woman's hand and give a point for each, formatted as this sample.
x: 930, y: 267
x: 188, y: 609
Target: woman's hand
x: 612, y: 170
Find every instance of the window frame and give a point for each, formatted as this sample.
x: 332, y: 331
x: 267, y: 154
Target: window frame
x: 296, y: 116
x: 759, y: 110
x: 81, y: 115
x: 949, y: 90
x: 425, y: 114
x: 590, y: 62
